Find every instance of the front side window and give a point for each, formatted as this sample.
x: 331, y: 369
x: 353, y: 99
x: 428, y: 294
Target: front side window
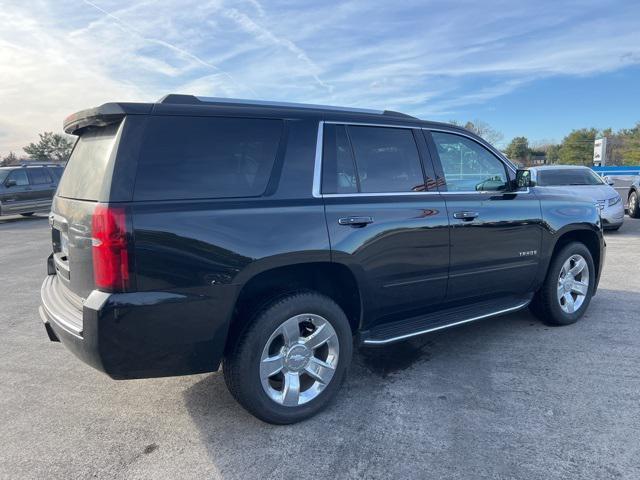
x: 467, y: 165
x: 20, y: 177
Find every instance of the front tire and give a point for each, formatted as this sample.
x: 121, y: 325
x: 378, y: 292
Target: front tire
x: 634, y: 207
x: 568, y: 287
x: 290, y: 361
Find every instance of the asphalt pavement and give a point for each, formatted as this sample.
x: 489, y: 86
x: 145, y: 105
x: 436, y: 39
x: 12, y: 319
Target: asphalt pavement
x: 502, y: 398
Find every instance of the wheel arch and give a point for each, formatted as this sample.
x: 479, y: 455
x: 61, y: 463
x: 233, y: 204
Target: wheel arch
x: 334, y: 280
x: 589, y: 237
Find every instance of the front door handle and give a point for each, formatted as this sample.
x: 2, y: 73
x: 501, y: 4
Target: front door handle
x: 466, y: 216
x: 355, y: 221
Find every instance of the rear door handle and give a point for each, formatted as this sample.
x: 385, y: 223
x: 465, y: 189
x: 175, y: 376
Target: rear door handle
x: 355, y: 221
x: 465, y: 215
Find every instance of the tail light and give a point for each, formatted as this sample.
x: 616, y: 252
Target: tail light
x: 110, y: 248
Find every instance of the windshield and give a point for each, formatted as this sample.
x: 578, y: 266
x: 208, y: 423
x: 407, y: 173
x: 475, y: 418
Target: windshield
x: 578, y: 176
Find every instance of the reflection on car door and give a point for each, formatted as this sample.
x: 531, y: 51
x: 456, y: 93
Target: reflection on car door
x: 495, y: 233
x: 385, y: 219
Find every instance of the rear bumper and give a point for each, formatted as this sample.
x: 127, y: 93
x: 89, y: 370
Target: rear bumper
x: 141, y: 335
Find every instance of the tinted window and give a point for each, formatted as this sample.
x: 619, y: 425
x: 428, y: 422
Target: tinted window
x: 386, y: 159
x: 87, y: 167
x: 206, y: 157
x: 56, y: 171
x: 578, y: 176
x: 338, y: 168
x: 39, y: 176
x: 20, y: 177
x: 467, y: 165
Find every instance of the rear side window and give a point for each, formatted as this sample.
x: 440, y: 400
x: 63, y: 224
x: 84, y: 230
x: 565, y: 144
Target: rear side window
x: 387, y: 159
x: 39, y: 176
x: 87, y: 167
x: 370, y: 160
x: 338, y: 167
x: 206, y: 157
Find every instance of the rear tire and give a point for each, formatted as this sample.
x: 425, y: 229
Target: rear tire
x: 568, y: 287
x: 306, y: 340
x: 27, y: 214
x: 634, y: 207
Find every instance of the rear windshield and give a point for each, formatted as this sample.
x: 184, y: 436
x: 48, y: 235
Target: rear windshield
x: 578, y: 176
x: 85, y: 172
x: 206, y: 157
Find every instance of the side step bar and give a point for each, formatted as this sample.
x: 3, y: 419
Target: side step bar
x: 450, y: 317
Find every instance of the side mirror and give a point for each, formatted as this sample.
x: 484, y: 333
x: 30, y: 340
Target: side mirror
x: 10, y: 183
x: 609, y: 181
x: 523, y: 179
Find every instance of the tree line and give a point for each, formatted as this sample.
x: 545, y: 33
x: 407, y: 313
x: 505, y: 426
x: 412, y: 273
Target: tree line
x: 623, y: 146
x: 51, y: 147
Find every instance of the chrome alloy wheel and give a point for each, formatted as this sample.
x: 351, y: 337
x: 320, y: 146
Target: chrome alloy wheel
x: 299, y: 360
x: 573, y: 283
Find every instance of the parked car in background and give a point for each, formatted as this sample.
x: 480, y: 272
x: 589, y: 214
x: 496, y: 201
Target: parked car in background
x: 27, y: 189
x: 633, y: 197
x: 584, y: 182
x: 267, y: 236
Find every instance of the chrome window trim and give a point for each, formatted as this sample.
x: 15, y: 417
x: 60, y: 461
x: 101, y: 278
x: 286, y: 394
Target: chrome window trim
x: 381, y: 194
x: 317, y: 168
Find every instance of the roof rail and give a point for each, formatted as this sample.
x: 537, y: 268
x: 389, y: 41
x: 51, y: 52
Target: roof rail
x: 29, y: 163
x: 193, y: 99
x: 399, y: 114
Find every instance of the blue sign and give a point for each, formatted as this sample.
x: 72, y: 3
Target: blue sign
x: 617, y: 170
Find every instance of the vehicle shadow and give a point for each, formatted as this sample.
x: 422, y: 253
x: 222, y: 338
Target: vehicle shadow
x: 384, y: 387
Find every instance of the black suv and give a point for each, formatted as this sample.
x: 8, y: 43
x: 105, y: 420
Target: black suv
x: 28, y: 189
x: 267, y: 237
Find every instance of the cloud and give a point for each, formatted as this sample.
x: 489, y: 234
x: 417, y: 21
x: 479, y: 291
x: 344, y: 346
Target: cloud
x: 429, y: 59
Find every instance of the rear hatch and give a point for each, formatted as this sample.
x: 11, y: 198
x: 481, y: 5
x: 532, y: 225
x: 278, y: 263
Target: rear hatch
x: 85, y: 182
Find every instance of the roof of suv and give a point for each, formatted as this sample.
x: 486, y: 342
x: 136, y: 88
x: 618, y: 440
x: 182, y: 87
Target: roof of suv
x: 191, y: 104
x: 35, y: 165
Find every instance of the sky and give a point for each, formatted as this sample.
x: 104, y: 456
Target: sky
x: 538, y: 69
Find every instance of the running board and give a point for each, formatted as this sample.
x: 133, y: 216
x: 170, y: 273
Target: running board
x: 450, y: 317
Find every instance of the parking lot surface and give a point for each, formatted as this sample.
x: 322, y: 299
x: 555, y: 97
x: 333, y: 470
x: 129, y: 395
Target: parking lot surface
x: 503, y: 398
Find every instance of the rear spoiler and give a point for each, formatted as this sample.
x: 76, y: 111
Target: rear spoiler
x: 103, y: 115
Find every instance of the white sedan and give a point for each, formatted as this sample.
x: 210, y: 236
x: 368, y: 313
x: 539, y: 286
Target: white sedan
x: 586, y: 183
